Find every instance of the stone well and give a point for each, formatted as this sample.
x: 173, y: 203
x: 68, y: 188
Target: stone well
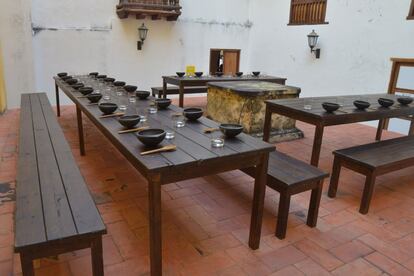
x: 244, y: 103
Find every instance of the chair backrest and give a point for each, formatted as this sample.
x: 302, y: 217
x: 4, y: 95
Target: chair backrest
x: 397, y: 64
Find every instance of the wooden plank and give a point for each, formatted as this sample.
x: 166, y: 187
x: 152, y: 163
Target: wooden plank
x: 381, y: 153
x: 57, y: 213
x: 85, y: 213
x: 29, y: 221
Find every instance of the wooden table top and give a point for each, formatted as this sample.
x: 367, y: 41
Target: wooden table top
x: 347, y: 113
x: 193, y: 145
x: 210, y: 78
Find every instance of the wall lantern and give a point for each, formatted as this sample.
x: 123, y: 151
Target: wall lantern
x: 313, y: 41
x: 142, y: 31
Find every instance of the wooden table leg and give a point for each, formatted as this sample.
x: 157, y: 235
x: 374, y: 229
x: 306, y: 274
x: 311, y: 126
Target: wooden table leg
x: 317, y: 145
x: 381, y: 126
x: 57, y: 99
x: 80, y: 131
x: 154, y: 207
x: 181, y: 95
x: 267, y: 125
x: 97, y: 257
x: 411, y: 131
x: 27, y: 265
x: 164, y: 89
x: 258, y: 202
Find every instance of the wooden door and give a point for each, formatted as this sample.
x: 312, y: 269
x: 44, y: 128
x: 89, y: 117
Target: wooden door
x: 231, y: 59
x: 214, y: 60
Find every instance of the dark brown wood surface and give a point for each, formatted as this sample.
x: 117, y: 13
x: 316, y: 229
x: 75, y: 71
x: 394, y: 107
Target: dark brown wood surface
x: 348, y: 113
x: 372, y: 160
x: 193, y: 145
x: 252, y: 88
x: 202, y: 81
x: 194, y: 157
x: 53, y: 202
x: 381, y: 154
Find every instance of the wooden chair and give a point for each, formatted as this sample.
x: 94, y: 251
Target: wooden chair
x: 397, y: 63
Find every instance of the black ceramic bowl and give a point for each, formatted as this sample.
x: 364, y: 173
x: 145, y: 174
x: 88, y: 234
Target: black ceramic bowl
x: 119, y: 83
x: 193, y: 113
x: 231, y: 130
x: 86, y: 90
x: 93, y: 74
x: 198, y: 74
x: 129, y: 121
x: 219, y: 74
x: 101, y: 76
x: 256, y: 73
x: 180, y: 74
x: 94, y: 97
x: 109, y: 79
x: 142, y: 95
x: 151, y: 137
x: 76, y: 86
x: 239, y: 74
x: 405, y: 100
x: 385, y: 102
x: 65, y: 78
x: 71, y: 81
x: 163, y: 103
x: 361, y: 105
x: 330, y: 107
x: 63, y: 74
x: 108, y: 108
x: 130, y: 88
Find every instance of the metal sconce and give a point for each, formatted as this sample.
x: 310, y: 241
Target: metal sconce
x: 142, y: 31
x: 313, y: 41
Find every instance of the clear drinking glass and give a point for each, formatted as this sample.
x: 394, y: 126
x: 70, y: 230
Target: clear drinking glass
x: 307, y: 105
x: 179, y: 120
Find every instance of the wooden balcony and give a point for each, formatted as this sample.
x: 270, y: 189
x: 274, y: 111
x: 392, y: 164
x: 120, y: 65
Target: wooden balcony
x: 156, y: 9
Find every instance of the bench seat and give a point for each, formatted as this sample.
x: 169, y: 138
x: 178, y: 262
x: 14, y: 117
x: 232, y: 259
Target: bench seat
x: 171, y: 90
x: 55, y: 212
x: 372, y: 160
x: 290, y: 176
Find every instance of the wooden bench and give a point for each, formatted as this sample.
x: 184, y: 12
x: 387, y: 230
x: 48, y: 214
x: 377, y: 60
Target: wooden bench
x: 372, y: 160
x: 290, y: 176
x: 158, y: 91
x: 55, y: 212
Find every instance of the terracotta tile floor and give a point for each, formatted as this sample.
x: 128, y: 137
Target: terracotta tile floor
x: 206, y: 220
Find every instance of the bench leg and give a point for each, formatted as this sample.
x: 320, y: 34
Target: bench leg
x: 27, y: 265
x: 314, y: 205
x: 282, y: 216
x: 97, y: 258
x: 367, y: 195
x: 333, y: 185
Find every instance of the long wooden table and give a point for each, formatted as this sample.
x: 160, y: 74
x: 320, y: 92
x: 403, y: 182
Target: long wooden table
x: 189, y: 81
x: 193, y: 158
x: 295, y: 108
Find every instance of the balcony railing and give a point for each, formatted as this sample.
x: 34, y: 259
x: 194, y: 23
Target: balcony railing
x: 157, y: 9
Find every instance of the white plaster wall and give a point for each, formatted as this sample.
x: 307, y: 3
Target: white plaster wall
x: 16, y: 47
x: 356, y: 45
x: 90, y: 37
